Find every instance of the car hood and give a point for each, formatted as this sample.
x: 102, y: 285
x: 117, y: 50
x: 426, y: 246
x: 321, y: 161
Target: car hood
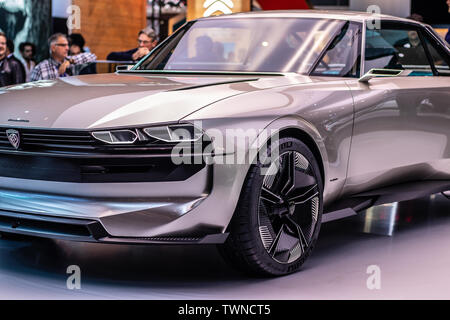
x: 117, y: 100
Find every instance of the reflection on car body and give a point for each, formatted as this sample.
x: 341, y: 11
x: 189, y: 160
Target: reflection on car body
x: 356, y: 117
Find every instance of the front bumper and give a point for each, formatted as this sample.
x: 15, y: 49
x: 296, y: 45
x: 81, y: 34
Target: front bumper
x: 79, y: 190
x: 83, y: 230
x: 196, y: 210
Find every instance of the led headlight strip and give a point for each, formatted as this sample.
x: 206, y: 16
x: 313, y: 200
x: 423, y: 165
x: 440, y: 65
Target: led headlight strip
x: 175, y: 133
x: 169, y: 133
x: 116, y: 136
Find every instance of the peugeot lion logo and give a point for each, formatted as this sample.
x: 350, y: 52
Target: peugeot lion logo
x: 13, y: 137
x: 223, y: 6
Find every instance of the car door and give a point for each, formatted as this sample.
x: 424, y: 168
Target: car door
x: 402, y: 124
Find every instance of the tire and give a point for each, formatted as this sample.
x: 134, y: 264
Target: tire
x: 277, y: 220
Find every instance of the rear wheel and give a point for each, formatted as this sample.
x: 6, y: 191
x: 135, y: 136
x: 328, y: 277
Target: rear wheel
x: 277, y: 220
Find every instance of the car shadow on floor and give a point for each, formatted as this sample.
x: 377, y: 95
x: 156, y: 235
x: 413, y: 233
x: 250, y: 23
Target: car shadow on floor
x: 199, y: 266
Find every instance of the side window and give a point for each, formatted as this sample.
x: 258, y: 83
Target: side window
x: 342, y: 58
x: 440, y: 59
x: 393, y: 48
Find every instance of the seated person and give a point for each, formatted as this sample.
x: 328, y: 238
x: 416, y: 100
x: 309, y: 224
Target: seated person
x: 60, y: 63
x: 10, y: 55
x: 410, y: 50
x: 27, y: 51
x: 76, y: 46
x: 147, y: 40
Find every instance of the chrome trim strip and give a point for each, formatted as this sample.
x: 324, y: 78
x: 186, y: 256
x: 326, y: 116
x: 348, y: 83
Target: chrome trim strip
x: 363, y: 48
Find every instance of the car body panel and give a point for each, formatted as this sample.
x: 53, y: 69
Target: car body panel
x: 367, y: 136
x: 401, y: 132
x: 133, y: 99
x: 356, y: 16
x: 322, y: 108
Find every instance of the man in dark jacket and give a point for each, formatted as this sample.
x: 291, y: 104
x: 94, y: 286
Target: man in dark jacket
x: 147, y: 40
x: 10, y: 55
x: 11, y: 69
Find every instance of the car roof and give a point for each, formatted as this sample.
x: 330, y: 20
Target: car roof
x: 324, y: 14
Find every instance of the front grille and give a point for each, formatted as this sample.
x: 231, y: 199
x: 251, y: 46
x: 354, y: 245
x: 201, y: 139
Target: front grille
x: 75, y: 156
x: 92, y: 170
x: 51, y: 140
x: 77, y: 143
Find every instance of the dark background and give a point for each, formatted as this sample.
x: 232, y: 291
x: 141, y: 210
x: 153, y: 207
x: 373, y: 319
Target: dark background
x: 34, y: 19
x: 433, y: 11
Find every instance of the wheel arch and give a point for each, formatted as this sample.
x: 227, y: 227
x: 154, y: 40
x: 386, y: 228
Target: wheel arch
x: 296, y: 127
x: 299, y: 128
x: 237, y: 247
x: 309, y: 142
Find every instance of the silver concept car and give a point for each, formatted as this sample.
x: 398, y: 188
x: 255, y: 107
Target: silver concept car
x: 247, y: 131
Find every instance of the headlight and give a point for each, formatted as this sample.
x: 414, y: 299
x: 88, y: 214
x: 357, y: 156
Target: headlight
x: 116, y: 136
x: 175, y: 133
x: 172, y: 133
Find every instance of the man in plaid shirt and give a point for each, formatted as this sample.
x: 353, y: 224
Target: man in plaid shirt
x: 58, y: 65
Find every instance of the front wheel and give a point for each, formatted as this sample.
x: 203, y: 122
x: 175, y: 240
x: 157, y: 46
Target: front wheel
x: 278, y: 217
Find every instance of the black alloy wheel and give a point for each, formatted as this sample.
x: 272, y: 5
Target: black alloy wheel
x: 278, y: 217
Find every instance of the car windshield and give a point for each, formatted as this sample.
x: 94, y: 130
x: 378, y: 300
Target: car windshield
x: 244, y: 45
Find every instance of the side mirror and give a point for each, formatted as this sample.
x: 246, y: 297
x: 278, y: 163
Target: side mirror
x: 377, y: 73
x: 124, y: 67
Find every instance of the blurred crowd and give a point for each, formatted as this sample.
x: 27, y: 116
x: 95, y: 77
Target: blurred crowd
x: 65, y: 53
x: 68, y: 53
x: 68, y: 56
